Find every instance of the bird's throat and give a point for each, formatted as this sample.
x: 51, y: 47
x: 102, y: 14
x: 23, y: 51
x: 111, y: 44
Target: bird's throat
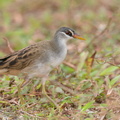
x: 59, y: 46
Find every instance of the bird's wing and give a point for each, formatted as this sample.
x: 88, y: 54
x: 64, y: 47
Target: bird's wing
x: 21, y: 59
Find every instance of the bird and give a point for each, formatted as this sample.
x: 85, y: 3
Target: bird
x: 37, y: 60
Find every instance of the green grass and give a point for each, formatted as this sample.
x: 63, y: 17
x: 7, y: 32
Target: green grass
x: 84, y: 92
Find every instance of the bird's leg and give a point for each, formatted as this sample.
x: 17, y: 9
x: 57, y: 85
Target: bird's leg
x: 45, y: 93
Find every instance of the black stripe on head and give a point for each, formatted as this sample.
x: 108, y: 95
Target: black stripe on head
x: 67, y: 31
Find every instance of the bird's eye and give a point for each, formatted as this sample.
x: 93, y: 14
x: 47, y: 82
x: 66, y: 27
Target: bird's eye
x: 68, y: 33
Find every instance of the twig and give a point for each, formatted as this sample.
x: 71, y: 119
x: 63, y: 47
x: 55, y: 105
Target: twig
x: 65, y: 88
x: 14, y: 102
x: 32, y: 105
x: 102, y: 118
x: 101, y: 33
x: 105, y: 61
x: 70, y: 65
x: 8, y: 44
x: 29, y: 114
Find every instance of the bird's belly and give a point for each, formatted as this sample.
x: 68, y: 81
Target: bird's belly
x: 42, y: 69
x: 57, y: 59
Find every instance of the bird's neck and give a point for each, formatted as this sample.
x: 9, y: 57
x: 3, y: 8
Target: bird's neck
x: 59, y: 43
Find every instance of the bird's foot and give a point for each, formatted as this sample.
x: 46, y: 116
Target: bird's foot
x: 50, y: 99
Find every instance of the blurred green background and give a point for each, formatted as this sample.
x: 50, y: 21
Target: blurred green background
x: 24, y: 22
x: 27, y: 21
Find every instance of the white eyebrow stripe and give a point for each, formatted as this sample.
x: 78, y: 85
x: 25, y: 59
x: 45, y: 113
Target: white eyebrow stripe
x: 71, y: 32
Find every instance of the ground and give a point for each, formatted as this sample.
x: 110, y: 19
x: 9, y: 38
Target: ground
x: 86, y: 86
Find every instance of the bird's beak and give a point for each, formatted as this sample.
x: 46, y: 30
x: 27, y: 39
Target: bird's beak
x: 78, y: 37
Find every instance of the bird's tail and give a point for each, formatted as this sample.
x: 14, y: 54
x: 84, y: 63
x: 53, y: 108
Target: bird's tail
x: 3, y: 69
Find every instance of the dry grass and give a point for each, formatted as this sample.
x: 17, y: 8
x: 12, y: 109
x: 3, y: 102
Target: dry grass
x: 84, y: 92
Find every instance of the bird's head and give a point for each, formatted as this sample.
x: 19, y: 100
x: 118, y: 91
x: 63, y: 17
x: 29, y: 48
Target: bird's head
x: 67, y: 33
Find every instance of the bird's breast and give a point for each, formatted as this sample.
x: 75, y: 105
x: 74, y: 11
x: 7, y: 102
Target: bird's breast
x: 57, y: 58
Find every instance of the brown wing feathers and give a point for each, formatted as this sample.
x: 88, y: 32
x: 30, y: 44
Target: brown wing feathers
x: 18, y: 60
